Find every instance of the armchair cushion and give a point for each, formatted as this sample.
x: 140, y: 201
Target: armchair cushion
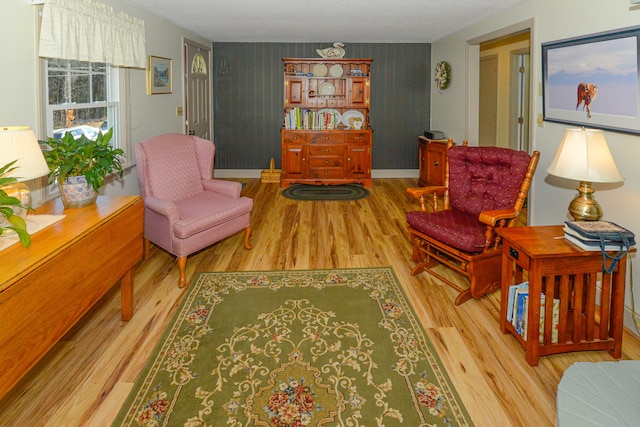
x: 196, y: 213
x: 458, y: 229
x: 485, y: 179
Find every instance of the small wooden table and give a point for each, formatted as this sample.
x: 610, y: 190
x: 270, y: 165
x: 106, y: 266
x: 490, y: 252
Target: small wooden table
x: 70, y: 265
x: 563, y: 272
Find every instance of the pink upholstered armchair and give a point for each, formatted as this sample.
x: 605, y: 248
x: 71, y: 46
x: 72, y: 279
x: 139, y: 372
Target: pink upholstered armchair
x: 185, y: 210
x: 485, y: 188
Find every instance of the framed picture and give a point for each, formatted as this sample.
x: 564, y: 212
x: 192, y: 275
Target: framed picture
x: 592, y: 81
x: 159, y: 75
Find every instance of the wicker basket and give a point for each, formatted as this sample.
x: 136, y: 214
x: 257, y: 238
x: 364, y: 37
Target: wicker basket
x: 272, y: 175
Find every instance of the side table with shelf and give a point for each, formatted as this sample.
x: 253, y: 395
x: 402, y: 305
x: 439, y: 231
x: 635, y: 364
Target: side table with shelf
x: 588, y: 319
x: 432, y: 158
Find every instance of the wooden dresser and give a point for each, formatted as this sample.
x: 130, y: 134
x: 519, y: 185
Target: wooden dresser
x: 327, y: 136
x: 46, y: 289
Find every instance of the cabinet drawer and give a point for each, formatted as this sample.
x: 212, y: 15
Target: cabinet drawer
x: 326, y: 150
x: 326, y: 173
x: 327, y: 138
x: 331, y: 161
x: 295, y: 137
x: 518, y: 256
x: 357, y: 137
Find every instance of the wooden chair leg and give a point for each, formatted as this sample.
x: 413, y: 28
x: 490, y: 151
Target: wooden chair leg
x: 147, y: 249
x: 182, y: 265
x: 247, y: 233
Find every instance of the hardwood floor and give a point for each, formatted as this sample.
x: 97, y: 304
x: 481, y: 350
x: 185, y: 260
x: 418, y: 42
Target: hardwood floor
x: 86, y: 377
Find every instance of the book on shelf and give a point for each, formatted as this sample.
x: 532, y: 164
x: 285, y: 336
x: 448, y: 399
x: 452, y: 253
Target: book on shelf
x: 555, y: 319
x: 306, y: 119
x: 519, y: 305
x: 511, y: 298
x: 518, y: 312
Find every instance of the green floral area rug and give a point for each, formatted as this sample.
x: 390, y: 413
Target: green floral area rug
x: 294, y: 348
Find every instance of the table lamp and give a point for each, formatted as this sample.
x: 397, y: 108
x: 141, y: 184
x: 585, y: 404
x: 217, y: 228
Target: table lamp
x: 19, y: 143
x: 583, y: 155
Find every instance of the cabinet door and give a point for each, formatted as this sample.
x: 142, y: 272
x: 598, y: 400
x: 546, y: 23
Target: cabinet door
x: 359, y: 161
x: 436, y: 153
x: 293, y: 161
x: 359, y: 92
x: 294, y: 91
x: 422, y: 162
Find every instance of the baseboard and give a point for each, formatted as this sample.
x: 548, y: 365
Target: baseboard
x: 629, y: 321
x: 255, y: 173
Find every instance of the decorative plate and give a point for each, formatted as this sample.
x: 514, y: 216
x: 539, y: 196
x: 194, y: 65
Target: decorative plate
x: 336, y: 70
x: 326, y: 89
x: 319, y: 70
x: 336, y: 114
x: 349, y: 116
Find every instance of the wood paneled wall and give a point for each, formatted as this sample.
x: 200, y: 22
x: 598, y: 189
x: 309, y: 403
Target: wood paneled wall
x: 248, y: 96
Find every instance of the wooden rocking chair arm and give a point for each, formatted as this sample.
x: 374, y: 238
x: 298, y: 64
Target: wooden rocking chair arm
x: 493, y: 217
x: 420, y: 191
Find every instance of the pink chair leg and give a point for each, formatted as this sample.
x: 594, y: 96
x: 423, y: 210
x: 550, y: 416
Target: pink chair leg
x: 182, y: 264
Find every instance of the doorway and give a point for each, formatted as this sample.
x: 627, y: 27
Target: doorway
x: 197, y: 64
x: 503, y: 93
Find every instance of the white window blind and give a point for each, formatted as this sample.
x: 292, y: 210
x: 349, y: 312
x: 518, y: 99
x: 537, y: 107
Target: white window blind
x: 86, y: 30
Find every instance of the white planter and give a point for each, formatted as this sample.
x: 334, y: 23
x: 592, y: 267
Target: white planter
x: 76, y: 193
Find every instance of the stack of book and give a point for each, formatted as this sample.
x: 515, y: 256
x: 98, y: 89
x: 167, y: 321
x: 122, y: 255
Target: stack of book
x: 305, y: 119
x: 518, y: 312
x: 586, y: 235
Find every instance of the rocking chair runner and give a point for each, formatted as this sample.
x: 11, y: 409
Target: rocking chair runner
x: 485, y: 188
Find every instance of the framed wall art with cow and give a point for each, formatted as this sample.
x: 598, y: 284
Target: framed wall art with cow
x: 594, y: 80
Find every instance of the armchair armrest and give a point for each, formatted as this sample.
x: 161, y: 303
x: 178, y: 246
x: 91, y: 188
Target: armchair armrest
x: 162, y: 207
x: 434, y: 191
x: 492, y: 218
x: 420, y: 191
x: 230, y: 189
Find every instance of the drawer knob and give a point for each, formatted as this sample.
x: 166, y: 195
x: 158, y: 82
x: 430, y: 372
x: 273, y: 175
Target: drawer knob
x: 513, y: 253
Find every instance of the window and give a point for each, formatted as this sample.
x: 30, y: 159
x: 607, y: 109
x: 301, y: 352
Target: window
x: 82, y: 98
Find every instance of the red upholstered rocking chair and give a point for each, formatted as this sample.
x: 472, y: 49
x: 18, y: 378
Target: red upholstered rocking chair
x: 485, y: 188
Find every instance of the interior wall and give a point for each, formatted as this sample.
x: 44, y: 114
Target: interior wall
x: 549, y: 196
x: 248, y: 98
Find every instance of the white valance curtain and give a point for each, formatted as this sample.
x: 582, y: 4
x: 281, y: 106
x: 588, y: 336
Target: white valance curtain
x: 86, y: 30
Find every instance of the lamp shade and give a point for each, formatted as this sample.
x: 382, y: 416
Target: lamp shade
x: 583, y: 155
x: 20, y: 143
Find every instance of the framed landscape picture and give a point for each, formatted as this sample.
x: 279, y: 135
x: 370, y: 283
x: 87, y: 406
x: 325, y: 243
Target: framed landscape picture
x: 592, y: 81
x: 159, y: 75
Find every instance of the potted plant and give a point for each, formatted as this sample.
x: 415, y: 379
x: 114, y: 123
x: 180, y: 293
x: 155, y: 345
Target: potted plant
x: 9, y: 221
x: 80, y: 165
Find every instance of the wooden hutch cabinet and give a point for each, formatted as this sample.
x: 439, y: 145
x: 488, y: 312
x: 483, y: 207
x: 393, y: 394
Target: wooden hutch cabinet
x: 326, y: 138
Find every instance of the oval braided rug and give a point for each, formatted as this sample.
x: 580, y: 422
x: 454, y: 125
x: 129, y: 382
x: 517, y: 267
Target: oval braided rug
x: 325, y: 192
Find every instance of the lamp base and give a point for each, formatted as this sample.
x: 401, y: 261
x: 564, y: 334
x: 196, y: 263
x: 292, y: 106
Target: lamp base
x: 584, y: 206
x: 21, y: 192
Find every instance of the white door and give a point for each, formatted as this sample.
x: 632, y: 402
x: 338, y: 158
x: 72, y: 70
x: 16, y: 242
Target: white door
x: 197, y: 66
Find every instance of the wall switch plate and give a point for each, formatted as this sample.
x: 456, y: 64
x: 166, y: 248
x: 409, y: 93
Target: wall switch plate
x: 178, y: 111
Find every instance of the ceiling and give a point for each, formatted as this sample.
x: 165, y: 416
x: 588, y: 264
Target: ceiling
x: 355, y: 21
